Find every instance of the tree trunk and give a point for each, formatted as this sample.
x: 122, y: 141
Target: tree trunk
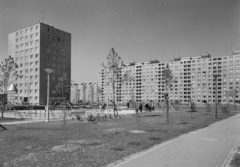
x: 3, y: 109
x: 167, y: 110
x: 114, y: 105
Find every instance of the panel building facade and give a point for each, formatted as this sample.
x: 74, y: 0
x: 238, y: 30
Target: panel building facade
x: 36, y: 48
x: 193, y: 80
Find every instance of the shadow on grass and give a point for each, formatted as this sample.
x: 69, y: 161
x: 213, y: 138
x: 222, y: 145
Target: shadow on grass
x: 155, y: 138
x: 117, y: 148
x: 152, y: 115
x: 134, y: 143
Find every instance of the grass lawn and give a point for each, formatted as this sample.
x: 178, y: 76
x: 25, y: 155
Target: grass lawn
x: 93, y: 144
x: 235, y: 161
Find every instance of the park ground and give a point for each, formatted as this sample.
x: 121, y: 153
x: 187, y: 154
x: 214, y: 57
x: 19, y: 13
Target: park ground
x: 95, y: 143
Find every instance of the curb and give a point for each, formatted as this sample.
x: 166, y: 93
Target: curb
x: 229, y: 158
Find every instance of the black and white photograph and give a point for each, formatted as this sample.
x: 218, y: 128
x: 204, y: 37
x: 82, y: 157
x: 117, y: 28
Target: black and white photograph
x: 119, y: 83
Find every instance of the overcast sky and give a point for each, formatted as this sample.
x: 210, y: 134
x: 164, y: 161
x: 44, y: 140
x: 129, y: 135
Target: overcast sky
x: 138, y: 30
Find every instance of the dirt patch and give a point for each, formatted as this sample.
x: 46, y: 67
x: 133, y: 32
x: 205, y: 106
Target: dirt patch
x: 137, y: 131
x: 66, y: 148
x: 114, y: 130
x: 73, y: 145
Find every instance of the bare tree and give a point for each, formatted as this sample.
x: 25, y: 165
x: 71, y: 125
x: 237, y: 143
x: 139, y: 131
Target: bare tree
x: 8, y: 73
x: 92, y: 92
x: 235, y: 93
x: 63, y: 87
x: 133, y: 97
x: 84, y: 87
x: 168, y: 79
x: 112, y: 72
x: 98, y: 93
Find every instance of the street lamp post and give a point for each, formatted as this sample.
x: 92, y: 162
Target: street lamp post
x: 48, y: 71
x: 215, y: 77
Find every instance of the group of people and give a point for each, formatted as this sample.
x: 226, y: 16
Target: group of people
x: 149, y: 106
x: 103, y: 106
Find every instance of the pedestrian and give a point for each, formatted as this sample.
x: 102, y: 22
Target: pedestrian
x: 127, y: 105
x: 104, y: 106
x: 146, y: 107
x: 140, y: 107
x: 150, y: 106
x: 136, y: 108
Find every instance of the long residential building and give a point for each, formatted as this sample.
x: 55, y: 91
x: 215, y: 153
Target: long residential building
x: 36, y: 48
x: 194, y: 80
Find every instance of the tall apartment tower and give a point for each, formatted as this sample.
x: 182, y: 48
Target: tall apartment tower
x: 194, y: 80
x: 36, y: 48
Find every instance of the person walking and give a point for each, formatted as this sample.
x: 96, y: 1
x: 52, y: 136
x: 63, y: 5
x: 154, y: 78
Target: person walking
x: 140, y: 107
x: 149, y: 106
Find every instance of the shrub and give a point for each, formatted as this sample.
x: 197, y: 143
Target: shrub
x: 91, y: 117
x: 208, y: 107
x: 193, y: 107
x: 225, y: 109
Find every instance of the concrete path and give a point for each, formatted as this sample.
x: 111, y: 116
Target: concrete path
x: 208, y: 147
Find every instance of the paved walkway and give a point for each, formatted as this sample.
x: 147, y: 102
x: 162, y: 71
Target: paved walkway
x: 208, y: 147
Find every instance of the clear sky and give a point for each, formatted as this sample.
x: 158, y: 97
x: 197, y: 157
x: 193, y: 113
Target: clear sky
x: 138, y: 30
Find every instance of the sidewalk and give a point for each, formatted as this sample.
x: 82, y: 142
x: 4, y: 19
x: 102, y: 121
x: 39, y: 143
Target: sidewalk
x: 208, y: 147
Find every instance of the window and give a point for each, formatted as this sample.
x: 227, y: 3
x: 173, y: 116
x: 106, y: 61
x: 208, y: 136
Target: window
x: 36, y: 55
x: 37, y: 42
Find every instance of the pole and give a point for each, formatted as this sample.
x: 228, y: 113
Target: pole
x: 48, y: 99
x: 215, y: 96
x: 28, y: 94
x: 78, y: 97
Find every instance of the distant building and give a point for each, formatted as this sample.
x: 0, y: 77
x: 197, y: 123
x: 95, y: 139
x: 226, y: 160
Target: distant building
x: 36, y: 48
x: 193, y: 79
x: 90, y: 92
